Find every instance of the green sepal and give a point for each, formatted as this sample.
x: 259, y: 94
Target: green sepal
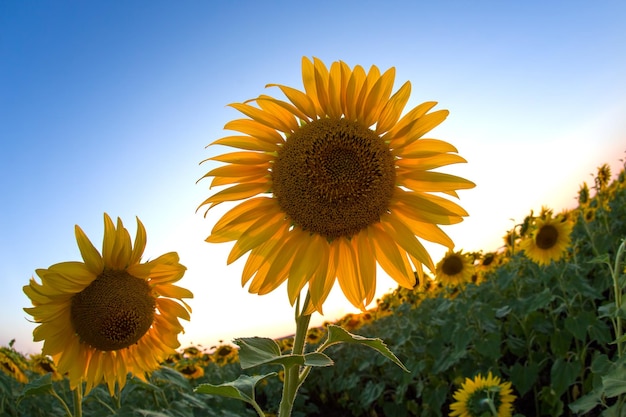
x: 255, y: 351
x: 241, y: 389
x: 337, y: 334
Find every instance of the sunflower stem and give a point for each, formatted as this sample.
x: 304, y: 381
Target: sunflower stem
x: 63, y: 403
x: 293, y: 378
x: 78, y: 400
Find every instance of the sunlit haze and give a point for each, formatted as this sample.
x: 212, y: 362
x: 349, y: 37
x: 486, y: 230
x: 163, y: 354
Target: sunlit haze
x: 108, y: 107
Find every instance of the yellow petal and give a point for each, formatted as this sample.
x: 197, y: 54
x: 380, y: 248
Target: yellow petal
x: 236, y: 192
x: 335, y: 80
x: 424, y: 148
x: 245, y: 212
x: 255, y: 129
x: 279, y: 111
x: 378, y: 97
x: 367, y: 265
x: 140, y: 243
x: 321, y: 76
x: 403, y: 126
x: 263, y: 117
x: 347, y: 273
x: 308, y: 80
x: 390, y: 258
x: 299, y: 99
x: 428, y: 163
x: 261, y: 230
x: 288, y: 110
x: 353, y: 89
x: 370, y: 80
x: 243, y: 158
x: 418, y: 129
x: 173, y: 291
x: 392, y: 111
x: 88, y: 251
x: 246, y: 142
x: 306, y: 264
x: 433, y: 181
x: 403, y: 236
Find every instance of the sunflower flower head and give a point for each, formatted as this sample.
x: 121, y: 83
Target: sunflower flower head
x: 548, y: 241
x: 482, y: 396
x: 334, y: 180
x: 109, y: 315
x: 12, y: 364
x: 454, y: 269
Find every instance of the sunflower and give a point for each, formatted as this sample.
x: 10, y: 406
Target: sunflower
x: 334, y: 180
x: 189, y: 369
x: 472, y: 399
x: 10, y: 364
x: 548, y: 241
x: 110, y: 315
x: 454, y: 268
x: 43, y: 365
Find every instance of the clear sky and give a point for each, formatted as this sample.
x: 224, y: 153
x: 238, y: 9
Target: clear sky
x: 108, y: 106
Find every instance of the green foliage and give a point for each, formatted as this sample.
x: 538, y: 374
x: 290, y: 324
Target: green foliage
x: 555, y: 332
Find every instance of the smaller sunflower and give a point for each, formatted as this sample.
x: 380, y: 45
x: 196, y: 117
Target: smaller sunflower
x: 42, y: 365
x: 189, y: 369
x: 481, y: 396
x: 454, y: 268
x: 224, y: 354
x: 110, y: 315
x: 10, y: 365
x: 548, y: 241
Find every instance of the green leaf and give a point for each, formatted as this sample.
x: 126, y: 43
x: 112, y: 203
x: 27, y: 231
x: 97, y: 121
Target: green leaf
x: 255, y: 351
x: 614, y: 383
x: 338, y: 335
x: 524, y: 377
x: 563, y: 374
x: 41, y: 385
x: 241, y: 389
x: 587, y: 402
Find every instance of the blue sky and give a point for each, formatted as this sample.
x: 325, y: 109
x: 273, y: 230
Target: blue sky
x: 108, y: 106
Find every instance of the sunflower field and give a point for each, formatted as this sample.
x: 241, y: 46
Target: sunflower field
x: 532, y: 329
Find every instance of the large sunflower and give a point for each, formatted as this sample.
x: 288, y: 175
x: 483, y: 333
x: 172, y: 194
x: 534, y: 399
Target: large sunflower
x: 549, y: 239
x: 109, y: 315
x: 472, y: 399
x: 334, y: 180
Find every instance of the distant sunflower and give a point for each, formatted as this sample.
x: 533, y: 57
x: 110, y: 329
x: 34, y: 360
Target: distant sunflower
x: 548, y: 241
x: 189, y: 369
x: 334, y: 181
x: 454, y: 268
x: 472, y: 399
x: 43, y: 364
x: 109, y: 315
x: 10, y: 365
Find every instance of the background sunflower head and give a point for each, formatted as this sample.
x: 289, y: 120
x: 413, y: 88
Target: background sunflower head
x: 110, y: 314
x: 475, y: 395
x: 549, y: 239
x: 334, y: 180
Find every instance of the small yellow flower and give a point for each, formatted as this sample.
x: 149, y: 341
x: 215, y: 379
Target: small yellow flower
x: 109, y: 315
x: 224, y: 354
x: 189, y: 369
x: 334, y: 180
x: 454, y: 268
x: 10, y: 365
x: 548, y: 241
x: 477, y: 396
x: 43, y: 364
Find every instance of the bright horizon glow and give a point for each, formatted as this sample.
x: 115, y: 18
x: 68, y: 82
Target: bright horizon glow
x: 109, y: 107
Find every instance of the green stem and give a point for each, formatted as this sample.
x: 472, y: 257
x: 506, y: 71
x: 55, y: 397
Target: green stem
x: 78, y: 400
x: 292, y: 374
x: 63, y: 403
x: 616, y: 271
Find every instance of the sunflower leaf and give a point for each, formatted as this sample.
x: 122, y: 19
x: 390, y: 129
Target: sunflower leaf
x: 255, y: 351
x: 337, y: 334
x: 241, y: 389
x: 41, y: 385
